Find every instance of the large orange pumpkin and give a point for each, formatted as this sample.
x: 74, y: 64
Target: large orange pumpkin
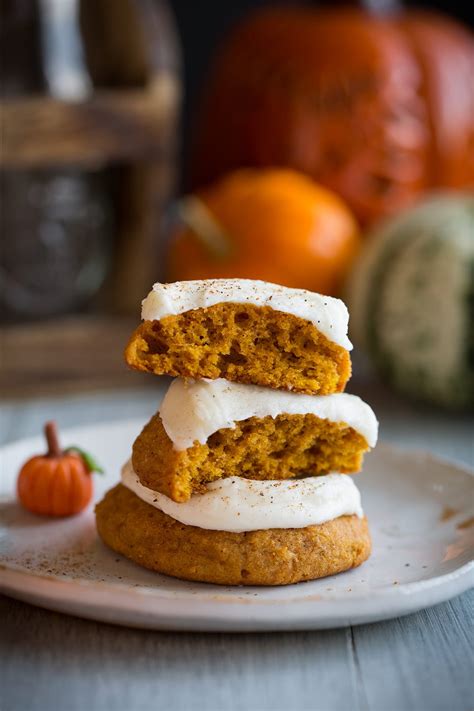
x: 379, y: 109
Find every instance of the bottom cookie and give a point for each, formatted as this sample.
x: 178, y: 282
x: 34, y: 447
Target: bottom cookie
x: 154, y: 540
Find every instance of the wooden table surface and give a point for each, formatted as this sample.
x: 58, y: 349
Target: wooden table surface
x: 422, y: 662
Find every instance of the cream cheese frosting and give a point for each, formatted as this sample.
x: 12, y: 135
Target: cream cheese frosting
x: 239, y: 505
x: 193, y: 410
x: 329, y: 315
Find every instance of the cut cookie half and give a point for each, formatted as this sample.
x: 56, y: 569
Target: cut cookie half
x: 245, y: 331
x: 212, y: 429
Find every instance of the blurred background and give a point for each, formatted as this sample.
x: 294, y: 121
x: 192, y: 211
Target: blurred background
x: 327, y: 146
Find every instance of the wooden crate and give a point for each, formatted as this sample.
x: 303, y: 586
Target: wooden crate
x: 129, y: 124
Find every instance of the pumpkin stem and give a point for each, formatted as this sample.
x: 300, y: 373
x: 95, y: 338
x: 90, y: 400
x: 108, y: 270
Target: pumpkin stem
x: 51, y: 434
x: 195, y: 214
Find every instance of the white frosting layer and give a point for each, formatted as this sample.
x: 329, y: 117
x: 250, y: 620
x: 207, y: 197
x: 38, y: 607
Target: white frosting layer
x: 193, y: 410
x: 329, y: 315
x: 239, y: 505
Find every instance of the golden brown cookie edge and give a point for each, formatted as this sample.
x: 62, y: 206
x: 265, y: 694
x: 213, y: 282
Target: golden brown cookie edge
x: 158, y: 542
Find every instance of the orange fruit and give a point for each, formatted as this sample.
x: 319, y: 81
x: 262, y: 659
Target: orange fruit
x: 276, y: 225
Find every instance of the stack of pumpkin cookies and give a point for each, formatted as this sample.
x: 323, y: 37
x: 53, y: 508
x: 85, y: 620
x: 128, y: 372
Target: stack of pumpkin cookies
x: 240, y: 478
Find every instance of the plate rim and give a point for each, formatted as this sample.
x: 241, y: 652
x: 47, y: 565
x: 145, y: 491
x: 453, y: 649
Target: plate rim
x: 143, y: 591
x: 206, y: 616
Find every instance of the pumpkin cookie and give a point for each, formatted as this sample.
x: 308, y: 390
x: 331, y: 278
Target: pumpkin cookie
x: 154, y: 540
x: 245, y: 331
x: 208, y: 430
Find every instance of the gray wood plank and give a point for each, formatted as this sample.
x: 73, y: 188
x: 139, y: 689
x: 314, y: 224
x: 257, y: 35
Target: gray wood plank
x: 419, y: 663
x: 425, y: 662
x: 54, y: 661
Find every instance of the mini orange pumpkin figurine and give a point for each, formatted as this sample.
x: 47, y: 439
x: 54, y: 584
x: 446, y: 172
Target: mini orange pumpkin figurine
x: 276, y: 225
x: 58, y: 483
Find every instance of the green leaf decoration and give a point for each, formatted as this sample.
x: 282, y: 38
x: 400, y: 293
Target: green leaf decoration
x: 91, y: 464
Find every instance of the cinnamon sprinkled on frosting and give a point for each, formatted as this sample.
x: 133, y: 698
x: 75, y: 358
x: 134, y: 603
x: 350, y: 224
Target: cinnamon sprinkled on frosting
x: 328, y: 315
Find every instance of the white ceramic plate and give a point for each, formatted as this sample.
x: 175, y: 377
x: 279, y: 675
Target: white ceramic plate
x: 420, y: 510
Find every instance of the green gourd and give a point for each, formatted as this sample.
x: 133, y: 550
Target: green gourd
x: 411, y: 299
